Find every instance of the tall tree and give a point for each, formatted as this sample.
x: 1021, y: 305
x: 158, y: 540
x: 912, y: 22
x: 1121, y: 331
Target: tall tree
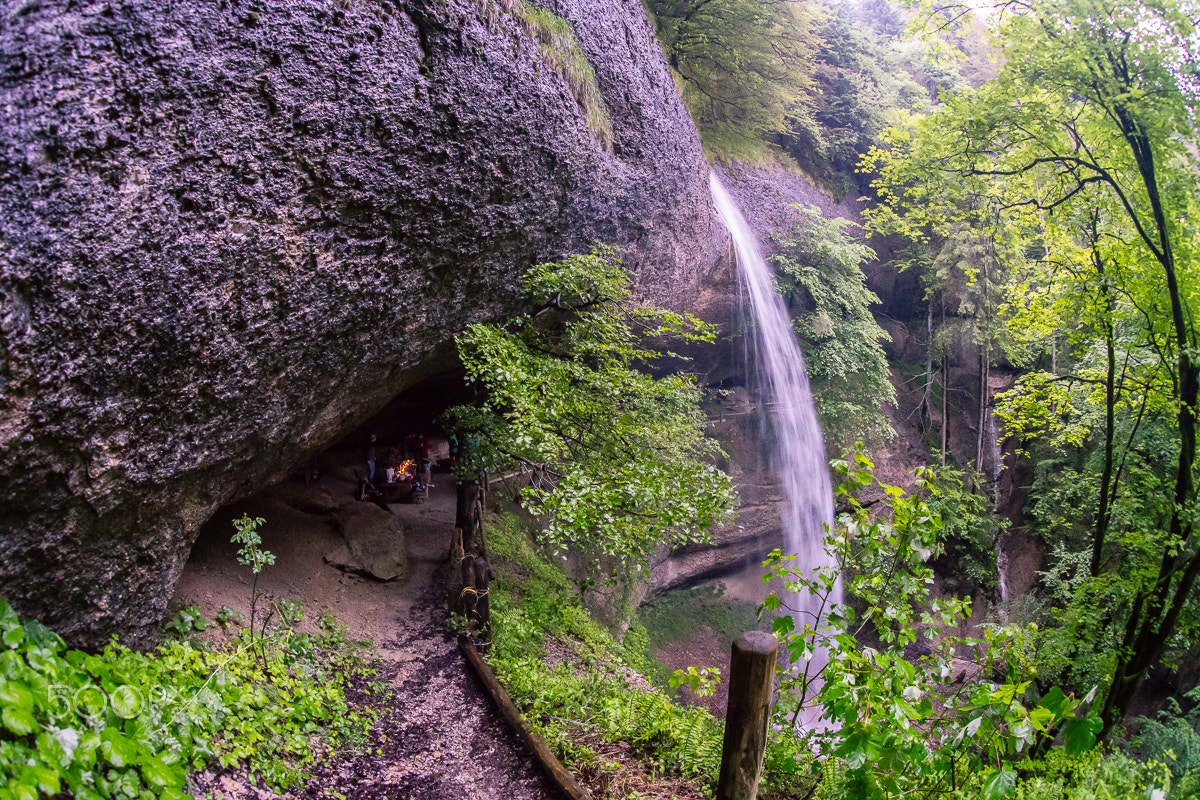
x: 820, y: 274
x: 616, y: 458
x: 745, y: 64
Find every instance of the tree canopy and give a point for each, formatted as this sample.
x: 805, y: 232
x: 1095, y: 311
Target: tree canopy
x: 819, y: 273
x: 616, y: 458
x: 1079, y: 157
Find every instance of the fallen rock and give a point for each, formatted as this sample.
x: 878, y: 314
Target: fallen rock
x: 373, y: 544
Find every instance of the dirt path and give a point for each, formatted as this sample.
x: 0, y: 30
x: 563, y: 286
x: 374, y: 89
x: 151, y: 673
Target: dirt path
x: 439, y: 739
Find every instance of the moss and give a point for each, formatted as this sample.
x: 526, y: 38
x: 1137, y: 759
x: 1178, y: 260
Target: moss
x: 679, y: 614
x: 676, y: 616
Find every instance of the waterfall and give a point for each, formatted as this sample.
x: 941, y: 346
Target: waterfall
x: 800, y: 459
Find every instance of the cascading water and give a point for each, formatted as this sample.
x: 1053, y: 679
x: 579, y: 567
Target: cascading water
x: 800, y: 464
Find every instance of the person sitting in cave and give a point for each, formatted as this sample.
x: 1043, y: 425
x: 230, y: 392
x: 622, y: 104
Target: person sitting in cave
x: 371, y: 460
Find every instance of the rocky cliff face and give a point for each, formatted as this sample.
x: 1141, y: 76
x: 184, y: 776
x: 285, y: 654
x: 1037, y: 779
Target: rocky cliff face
x: 231, y: 231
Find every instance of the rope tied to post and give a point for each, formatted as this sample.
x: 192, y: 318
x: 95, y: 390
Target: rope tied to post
x: 472, y: 591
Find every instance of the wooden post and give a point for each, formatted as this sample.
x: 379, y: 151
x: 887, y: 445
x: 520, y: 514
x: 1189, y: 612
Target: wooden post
x: 468, y: 513
x: 466, y: 598
x: 484, y: 606
x: 482, y: 530
x: 751, y: 681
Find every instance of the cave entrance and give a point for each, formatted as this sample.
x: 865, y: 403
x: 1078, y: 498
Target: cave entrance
x: 359, y: 564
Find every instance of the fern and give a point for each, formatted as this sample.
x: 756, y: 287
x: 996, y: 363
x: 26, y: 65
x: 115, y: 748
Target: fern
x: 699, y: 739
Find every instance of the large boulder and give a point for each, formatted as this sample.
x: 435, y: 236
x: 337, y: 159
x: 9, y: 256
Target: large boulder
x: 372, y: 543
x: 231, y: 232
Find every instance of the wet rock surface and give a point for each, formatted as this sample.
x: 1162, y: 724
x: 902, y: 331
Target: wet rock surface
x: 231, y: 232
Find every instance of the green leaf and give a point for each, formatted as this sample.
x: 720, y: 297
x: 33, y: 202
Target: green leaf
x: 18, y: 720
x: 13, y: 636
x: 41, y: 636
x: 1056, y: 702
x: 1080, y: 734
x: 1000, y: 784
x: 161, y: 775
x: 126, y: 702
x: 43, y: 778
x: 116, y: 749
x: 14, y: 695
x: 21, y: 791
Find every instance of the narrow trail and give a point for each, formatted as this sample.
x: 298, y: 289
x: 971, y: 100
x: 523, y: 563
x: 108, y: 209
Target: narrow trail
x: 439, y: 737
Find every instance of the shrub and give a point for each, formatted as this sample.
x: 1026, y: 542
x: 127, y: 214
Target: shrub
x: 128, y: 724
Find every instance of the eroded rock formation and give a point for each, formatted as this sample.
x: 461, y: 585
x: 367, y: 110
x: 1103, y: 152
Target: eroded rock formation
x: 230, y: 232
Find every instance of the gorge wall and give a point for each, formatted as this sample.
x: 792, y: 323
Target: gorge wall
x: 231, y: 232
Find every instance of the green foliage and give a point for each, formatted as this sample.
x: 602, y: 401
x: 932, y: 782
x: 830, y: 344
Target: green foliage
x: 533, y: 602
x: 701, y: 681
x: 617, y: 459
x: 970, y: 531
x: 251, y: 554
x: 678, y: 614
x: 819, y: 270
x: 290, y: 611
x: 1076, y: 164
x: 1095, y: 775
x: 133, y: 725
x: 563, y: 701
x: 1174, y: 736
x: 906, y: 715
x: 743, y: 63
x: 186, y: 621
x: 859, y: 80
x: 229, y: 618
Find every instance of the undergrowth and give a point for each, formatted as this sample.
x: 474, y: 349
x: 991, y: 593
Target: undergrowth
x: 133, y: 725
x: 675, y: 617
x: 586, y: 700
x: 584, y: 692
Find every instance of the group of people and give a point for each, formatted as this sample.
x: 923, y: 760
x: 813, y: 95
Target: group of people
x: 414, y: 453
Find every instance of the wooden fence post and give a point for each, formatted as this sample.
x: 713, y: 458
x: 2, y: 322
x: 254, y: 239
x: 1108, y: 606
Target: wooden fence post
x: 751, y: 681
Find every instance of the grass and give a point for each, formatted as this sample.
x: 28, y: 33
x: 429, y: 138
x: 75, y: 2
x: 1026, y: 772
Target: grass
x: 675, y: 617
x: 561, y: 52
x: 579, y: 687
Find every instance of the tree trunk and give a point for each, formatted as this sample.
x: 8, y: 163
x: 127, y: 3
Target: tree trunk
x: 983, y: 400
x: 1157, y: 607
x: 1110, y: 401
x: 927, y: 400
x: 945, y: 392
